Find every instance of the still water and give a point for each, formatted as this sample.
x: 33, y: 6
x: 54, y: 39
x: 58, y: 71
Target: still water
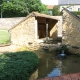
x: 50, y: 65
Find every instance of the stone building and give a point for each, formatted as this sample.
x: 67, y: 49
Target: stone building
x: 33, y: 28
x: 71, y: 31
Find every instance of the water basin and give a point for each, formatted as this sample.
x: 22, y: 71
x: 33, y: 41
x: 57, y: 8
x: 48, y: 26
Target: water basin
x: 50, y: 66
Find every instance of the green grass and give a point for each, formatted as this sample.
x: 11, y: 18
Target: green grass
x: 4, y: 37
x: 18, y: 65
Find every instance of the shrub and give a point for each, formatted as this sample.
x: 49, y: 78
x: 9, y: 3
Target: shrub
x: 76, y: 12
x: 56, y: 11
x: 18, y: 65
x: 63, y: 47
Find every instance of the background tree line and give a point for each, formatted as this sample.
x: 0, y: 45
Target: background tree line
x: 21, y: 8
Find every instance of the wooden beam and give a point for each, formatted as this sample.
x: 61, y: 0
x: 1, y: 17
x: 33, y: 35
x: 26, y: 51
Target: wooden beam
x: 46, y: 32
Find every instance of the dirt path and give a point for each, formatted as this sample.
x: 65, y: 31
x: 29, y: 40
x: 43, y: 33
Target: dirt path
x: 11, y: 48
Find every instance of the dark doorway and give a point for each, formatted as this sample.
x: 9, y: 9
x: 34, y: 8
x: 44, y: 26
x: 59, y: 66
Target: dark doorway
x: 42, y: 26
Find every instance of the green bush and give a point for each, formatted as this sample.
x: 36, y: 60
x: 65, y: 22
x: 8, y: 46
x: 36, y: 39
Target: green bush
x: 76, y: 12
x: 63, y: 47
x: 17, y: 65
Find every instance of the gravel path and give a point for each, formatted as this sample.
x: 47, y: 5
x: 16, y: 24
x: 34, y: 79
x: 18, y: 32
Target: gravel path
x: 11, y: 48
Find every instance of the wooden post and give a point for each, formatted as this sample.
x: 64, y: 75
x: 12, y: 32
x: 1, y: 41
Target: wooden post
x: 46, y: 32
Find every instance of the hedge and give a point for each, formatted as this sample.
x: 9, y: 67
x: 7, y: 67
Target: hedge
x: 76, y: 12
x: 17, y: 65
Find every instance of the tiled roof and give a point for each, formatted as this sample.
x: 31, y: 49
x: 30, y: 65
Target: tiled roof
x: 36, y: 14
x: 74, y: 76
x: 65, y: 2
x: 50, y: 6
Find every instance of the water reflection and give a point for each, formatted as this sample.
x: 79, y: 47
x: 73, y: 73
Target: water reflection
x: 57, y: 71
x: 50, y: 66
x: 59, y: 68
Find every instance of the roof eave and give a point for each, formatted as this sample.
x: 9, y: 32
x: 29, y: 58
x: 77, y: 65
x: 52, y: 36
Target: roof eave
x: 71, y: 13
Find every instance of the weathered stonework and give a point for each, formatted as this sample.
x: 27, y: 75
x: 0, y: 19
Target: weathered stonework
x: 23, y: 32
x: 7, y: 23
x: 71, y: 31
x: 26, y: 32
x: 53, y: 33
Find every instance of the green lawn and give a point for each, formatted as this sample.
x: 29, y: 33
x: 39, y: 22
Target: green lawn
x: 4, y: 37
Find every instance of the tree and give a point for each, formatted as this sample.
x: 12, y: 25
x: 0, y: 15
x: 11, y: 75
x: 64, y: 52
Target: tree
x: 36, y: 5
x: 16, y: 8
x: 0, y: 8
x: 56, y: 10
x: 45, y: 10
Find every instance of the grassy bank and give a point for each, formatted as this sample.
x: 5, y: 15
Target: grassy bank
x: 4, y: 37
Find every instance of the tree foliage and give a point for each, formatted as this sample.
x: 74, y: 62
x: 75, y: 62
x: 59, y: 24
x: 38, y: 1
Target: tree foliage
x: 56, y: 10
x: 16, y: 8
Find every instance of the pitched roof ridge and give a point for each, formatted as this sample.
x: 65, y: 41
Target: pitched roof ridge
x: 36, y: 14
x: 77, y: 17
x: 43, y: 15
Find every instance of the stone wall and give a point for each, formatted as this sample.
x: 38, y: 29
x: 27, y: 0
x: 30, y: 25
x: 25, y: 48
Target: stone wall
x: 59, y: 26
x: 56, y: 31
x: 71, y: 31
x: 53, y: 33
x: 7, y: 23
x: 24, y: 32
